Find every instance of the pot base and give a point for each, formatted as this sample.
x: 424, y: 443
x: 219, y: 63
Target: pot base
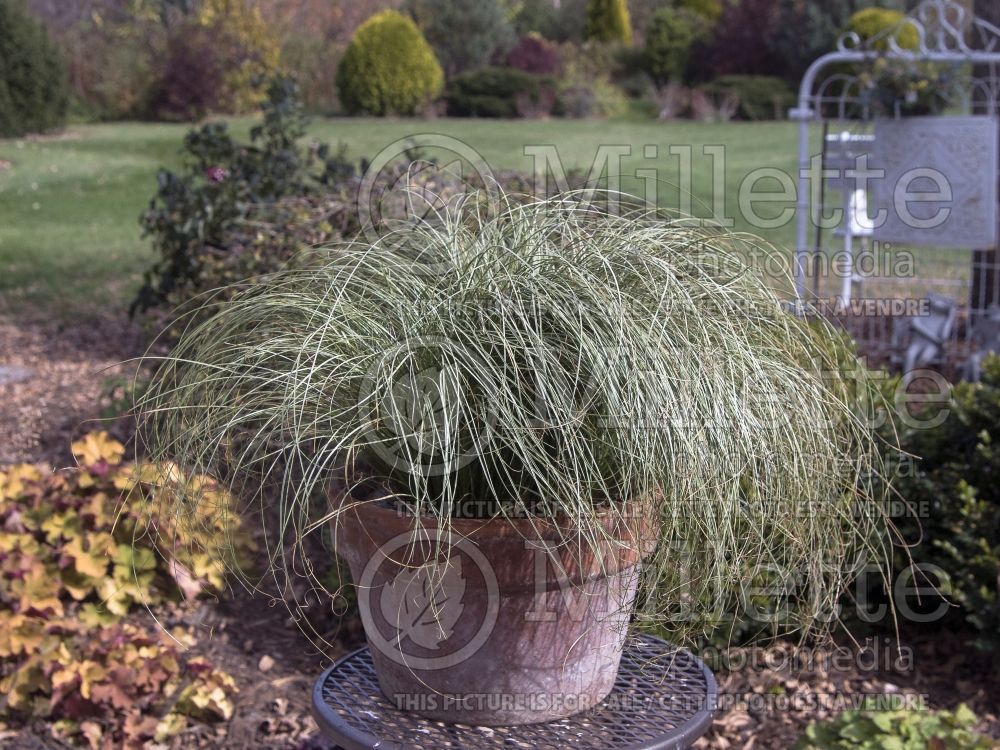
x: 474, y: 625
x: 664, y: 697
x: 530, y: 670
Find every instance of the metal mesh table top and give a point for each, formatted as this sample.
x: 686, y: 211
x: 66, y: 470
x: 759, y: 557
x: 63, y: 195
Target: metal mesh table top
x: 664, y: 698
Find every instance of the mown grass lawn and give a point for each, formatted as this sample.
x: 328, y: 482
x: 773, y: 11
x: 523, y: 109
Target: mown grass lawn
x: 70, y: 242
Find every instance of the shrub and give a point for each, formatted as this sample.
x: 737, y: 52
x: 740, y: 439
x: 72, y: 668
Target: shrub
x: 536, y: 17
x: 758, y: 97
x: 275, y: 235
x: 113, y: 60
x: 249, y: 52
x: 267, y: 238
x: 221, y: 181
x: 608, y: 21
x: 739, y: 41
x: 585, y: 88
x: 902, y: 728
x: 670, y: 38
x: 955, y: 481
x: 33, y: 89
x: 775, y: 37
x: 581, y: 96
x: 564, y: 23
x: 497, y: 92
x: 710, y: 10
x: 190, y: 78
x: 312, y: 62
x: 388, y: 68
x: 216, y: 61
x: 81, y: 548
x: 870, y: 23
x: 804, y: 31
x: 534, y: 54
x: 465, y: 34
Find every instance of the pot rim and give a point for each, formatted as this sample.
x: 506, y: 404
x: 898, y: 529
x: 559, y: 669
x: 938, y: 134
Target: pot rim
x: 376, y: 503
x: 628, y: 539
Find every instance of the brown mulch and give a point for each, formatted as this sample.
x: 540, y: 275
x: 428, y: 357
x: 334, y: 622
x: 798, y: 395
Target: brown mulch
x: 772, y: 694
x: 60, y: 379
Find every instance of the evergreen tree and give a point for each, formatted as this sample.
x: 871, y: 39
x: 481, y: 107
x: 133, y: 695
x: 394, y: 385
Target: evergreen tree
x: 33, y: 90
x: 388, y: 68
x: 670, y: 38
x: 465, y: 34
x: 608, y: 21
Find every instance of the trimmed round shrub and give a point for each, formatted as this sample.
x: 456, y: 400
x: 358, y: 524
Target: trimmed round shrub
x: 388, y: 68
x: 33, y: 89
x: 759, y: 97
x: 496, y: 92
x: 534, y: 53
x: 871, y: 22
x: 608, y: 21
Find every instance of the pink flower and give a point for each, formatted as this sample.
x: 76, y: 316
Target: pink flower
x: 216, y: 174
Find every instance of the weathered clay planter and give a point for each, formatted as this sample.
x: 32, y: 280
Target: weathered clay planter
x: 497, y: 638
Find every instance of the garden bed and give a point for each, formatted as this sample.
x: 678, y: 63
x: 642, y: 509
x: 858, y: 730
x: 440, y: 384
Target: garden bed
x: 61, y: 375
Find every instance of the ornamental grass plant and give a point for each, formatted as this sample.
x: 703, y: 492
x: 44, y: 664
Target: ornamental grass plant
x: 547, y: 360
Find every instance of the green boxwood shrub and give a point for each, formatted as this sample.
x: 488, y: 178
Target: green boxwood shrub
x: 760, y: 97
x: 33, y: 89
x: 608, y: 21
x: 947, y: 474
x: 954, y: 489
x: 388, y: 68
x: 870, y: 22
x: 902, y: 729
x: 496, y: 92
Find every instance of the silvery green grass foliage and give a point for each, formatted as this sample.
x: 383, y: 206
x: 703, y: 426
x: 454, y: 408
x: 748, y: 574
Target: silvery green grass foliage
x: 550, y: 359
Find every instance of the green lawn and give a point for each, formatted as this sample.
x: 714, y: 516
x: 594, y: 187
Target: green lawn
x: 70, y: 242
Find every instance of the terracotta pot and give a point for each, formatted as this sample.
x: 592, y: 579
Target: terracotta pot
x: 495, y: 636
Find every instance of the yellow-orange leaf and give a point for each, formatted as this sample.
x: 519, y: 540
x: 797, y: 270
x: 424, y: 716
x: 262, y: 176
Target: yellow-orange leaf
x: 96, y: 447
x: 94, y: 561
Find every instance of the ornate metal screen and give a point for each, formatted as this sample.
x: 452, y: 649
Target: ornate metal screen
x: 942, y: 289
